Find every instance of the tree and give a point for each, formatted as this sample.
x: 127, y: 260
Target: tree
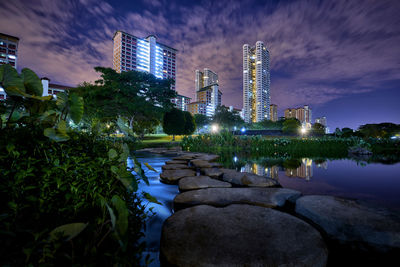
x: 190, y: 125
x: 201, y: 120
x: 381, y: 130
x: 227, y: 119
x: 291, y: 126
x: 139, y: 97
x: 174, y: 122
x: 318, y: 129
x: 347, y: 132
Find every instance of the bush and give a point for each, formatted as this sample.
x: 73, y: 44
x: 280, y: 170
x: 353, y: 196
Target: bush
x: 79, y: 185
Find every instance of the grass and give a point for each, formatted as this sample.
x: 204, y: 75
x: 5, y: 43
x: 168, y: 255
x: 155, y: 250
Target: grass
x: 159, y: 140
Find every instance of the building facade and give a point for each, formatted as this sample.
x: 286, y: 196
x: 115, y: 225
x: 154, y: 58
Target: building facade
x: 256, y: 83
x: 197, y: 108
x: 52, y: 88
x: 181, y: 102
x: 204, y: 78
x: 8, y: 54
x: 303, y: 114
x: 321, y: 120
x: 144, y: 54
x: 273, y: 112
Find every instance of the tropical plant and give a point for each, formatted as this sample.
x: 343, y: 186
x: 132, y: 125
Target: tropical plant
x: 318, y: 129
x: 227, y: 119
x: 190, y: 125
x: 291, y: 126
x: 174, y: 122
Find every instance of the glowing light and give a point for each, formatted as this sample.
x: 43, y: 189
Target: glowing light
x: 214, y: 128
x: 235, y: 159
x: 303, y: 130
x: 243, y: 130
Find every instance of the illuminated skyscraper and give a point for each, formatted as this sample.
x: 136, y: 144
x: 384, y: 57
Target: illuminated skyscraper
x: 144, y: 54
x: 205, y: 78
x: 256, y: 83
x: 273, y: 112
x: 8, y: 54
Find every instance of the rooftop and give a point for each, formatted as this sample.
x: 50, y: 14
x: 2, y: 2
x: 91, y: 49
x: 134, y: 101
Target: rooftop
x: 144, y: 39
x: 8, y: 36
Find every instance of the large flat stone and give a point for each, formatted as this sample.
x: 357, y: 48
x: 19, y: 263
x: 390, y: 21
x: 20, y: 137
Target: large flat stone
x: 207, y: 157
x: 239, y: 235
x: 200, y: 182
x: 173, y: 176
x: 247, y: 179
x: 176, y: 162
x: 175, y: 167
x: 215, y: 173
x: 221, y: 197
x: 352, y: 223
x: 199, y: 163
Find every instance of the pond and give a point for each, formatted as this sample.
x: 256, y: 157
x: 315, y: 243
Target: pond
x: 375, y: 183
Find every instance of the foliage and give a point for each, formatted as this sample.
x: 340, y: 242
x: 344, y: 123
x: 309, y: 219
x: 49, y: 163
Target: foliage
x: 190, y: 125
x: 267, y: 125
x: 381, y: 130
x: 227, y: 119
x: 291, y: 126
x: 318, y: 129
x: 174, y: 122
x: 80, y: 186
x: 139, y: 97
x: 68, y: 197
x: 201, y: 120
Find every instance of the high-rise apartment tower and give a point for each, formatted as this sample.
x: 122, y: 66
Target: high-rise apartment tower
x: 256, y: 83
x: 144, y: 54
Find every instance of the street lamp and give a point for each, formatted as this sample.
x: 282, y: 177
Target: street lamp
x: 214, y: 128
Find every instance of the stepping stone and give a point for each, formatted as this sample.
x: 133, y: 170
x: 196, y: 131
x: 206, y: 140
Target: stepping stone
x: 173, y: 176
x: 214, y: 173
x: 200, y: 182
x: 175, y: 167
x: 221, y: 197
x: 350, y: 223
x: 247, y: 179
x: 199, y: 163
x: 176, y: 162
x: 239, y: 235
x: 207, y: 157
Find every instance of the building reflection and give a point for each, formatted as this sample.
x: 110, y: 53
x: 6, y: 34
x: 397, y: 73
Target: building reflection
x: 271, y: 172
x: 304, y: 169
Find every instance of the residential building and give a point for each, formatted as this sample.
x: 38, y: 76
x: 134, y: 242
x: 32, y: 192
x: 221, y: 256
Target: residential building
x: 197, y: 108
x: 256, y: 83
x: 53, y: 88
x: 181, y: 102
x: 8, y: 49
x: 303, y: 114
x: 211, y: 96
x: 8, y: 54
x: 273, y: 112
x: 321, y: 120
x: 204, y: 79
x: 144, y: 54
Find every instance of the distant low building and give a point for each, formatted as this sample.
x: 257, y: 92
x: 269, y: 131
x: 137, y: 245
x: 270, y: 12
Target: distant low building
x: 303, y: 114
x: 181, y: 102
x: 273, y: 111
x: 322, y: 120
x: 53, y: 88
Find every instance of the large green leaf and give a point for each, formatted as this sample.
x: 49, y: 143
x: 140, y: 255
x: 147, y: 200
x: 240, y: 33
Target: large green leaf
x: 122, y: 124
x: 112, y: 153
x: 11, y: 79
x: 121, y: 224
x: 68, y: 230
x: 62, y: 100
x: 151, y: 198
x: 55, y: 135
x: 75, y: 107
x: 33, y: 85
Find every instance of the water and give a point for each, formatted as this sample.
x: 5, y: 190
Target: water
x: 375, y: 183
x: 163, y: 193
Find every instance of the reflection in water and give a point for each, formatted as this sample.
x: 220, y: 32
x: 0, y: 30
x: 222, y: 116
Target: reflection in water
x: 302, y: 168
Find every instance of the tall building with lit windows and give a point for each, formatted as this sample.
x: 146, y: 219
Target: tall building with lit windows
x: 204, y: 78
x: 8, y: 54
x: 256, y: 83
x: 144, y: 54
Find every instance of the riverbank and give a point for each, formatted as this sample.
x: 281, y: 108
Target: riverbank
x: 221, y: 197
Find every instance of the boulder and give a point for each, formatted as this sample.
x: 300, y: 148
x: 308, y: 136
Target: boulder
x: 239, y: 235
x: 199, y: 163
x: 176, y: 162
x: 247, y: 179
x: 350, y: 223
x: 175, y: 167
x: 221, y: 197
x: 207, y: 157
x: 185, y: 157
x: 173, y: 176
x: 212, y: 172
x: 200, y: 182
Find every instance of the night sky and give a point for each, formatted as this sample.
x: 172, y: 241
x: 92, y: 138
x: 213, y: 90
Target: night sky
x: 340, y: 57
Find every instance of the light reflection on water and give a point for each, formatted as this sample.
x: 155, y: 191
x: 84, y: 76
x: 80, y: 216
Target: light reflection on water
x: 163, y: 193
x: 376, y: 183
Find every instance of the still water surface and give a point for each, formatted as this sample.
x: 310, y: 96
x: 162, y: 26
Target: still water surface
x: 375, y: 183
